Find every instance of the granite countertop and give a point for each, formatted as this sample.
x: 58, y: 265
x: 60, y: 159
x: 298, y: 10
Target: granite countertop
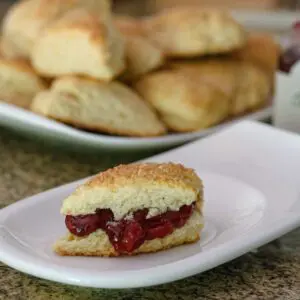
x: 26, y: 168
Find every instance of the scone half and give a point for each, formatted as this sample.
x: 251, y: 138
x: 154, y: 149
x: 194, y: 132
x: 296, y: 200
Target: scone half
x: 133, y: 209
x: 111, y: 108
x: 80, y: 43
x: 184, y: 102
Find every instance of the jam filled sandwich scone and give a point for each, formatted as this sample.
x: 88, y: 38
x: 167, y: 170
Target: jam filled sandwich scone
x: 133, y: 209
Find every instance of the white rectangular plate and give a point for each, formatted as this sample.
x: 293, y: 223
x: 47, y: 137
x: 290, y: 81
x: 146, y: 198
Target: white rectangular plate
x: 251, y: 178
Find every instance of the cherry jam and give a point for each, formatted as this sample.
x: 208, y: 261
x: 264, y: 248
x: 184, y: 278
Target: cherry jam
x: 128, y: 234
x: 291, y: 55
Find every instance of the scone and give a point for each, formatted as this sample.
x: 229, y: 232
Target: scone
x: 18, y: 82
x: 111, y: 108
x: 26, y: 20
x: 133, y: 209
x: 142, y: 55
x: 8, y: 51
x: 219, y: 72
x: 262, y: 50
x: 193, y: 31
x: 245, y: 83
x: 254, y: 88
x: 80, y: 43
x: 128, y: 25
x: 184, y: 103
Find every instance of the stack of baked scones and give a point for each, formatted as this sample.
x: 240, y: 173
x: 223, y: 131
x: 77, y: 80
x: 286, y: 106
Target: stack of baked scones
x: 180, y: 70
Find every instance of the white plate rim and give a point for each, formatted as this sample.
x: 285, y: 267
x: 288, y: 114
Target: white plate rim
x: 12, y: 116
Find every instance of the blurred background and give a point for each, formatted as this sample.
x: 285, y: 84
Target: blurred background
x: 139, y: 7
x: 273, y: 16
x: 142, y: 7
x: 264, y: 15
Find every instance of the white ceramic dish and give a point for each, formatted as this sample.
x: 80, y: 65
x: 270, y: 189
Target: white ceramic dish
x: 34, y: 125
x: 252, y: 197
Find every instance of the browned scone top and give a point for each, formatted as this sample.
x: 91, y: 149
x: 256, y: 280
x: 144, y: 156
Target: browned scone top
x: 170, y: 174
x: 183, y: 102
x: 128, y: 25
x: 262, y: 50
x: 193, y: 31
x: 80, y: 43
x: 26, y: 20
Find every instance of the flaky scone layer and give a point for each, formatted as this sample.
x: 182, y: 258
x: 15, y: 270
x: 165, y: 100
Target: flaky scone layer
x: 128, y: 188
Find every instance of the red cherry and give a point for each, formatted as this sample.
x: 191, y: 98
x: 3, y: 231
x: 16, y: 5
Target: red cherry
x: 128, y: 235
x: 289, y: 58
x: 164, y: 229
x: 105, y: 216
x: 140, y: 215
x: 133, y: 236
x: 82, y: 225
x: 296, y: 25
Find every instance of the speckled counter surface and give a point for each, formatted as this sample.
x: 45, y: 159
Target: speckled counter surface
x: 27, y: 168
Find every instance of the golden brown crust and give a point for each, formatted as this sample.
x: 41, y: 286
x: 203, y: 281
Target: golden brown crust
x: 262, y: 50
x: 128, y: 25
x: 167, y: 173
x: 26, y: 20
x: 82, y: 20
x: 218, y: 72
x: 184, y: 102
x: 21, y: 64
x: 192, y: 31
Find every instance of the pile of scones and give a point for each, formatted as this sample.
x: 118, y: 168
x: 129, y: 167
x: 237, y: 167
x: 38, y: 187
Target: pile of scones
x: 179, y: 70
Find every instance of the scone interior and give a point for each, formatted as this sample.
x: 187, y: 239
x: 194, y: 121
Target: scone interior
x: 132, y: 209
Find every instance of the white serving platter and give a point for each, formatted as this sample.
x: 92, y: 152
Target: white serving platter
x: 251, y: 177
x: 33, y: 125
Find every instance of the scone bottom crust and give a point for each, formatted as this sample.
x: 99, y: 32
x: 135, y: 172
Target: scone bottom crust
x: 137, y: 227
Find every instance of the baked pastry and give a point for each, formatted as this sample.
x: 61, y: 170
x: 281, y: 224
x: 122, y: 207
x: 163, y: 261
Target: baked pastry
x: 128, y: 25
x: 8, y: 51
x: 79, y: 43
x: 184, y: 103
x: 262, y: 50
x: 253, y: 88
x: 26, y: 20
x: 245, y: 83
x: 193, y: 31
x: 133, y: 209
x: 18, y: 82
x: 111, y: 108
x: 219, y: 72
x: 142, y: 56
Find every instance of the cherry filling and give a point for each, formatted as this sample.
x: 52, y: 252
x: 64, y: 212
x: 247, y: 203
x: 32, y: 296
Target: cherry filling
x: 126, y: 234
